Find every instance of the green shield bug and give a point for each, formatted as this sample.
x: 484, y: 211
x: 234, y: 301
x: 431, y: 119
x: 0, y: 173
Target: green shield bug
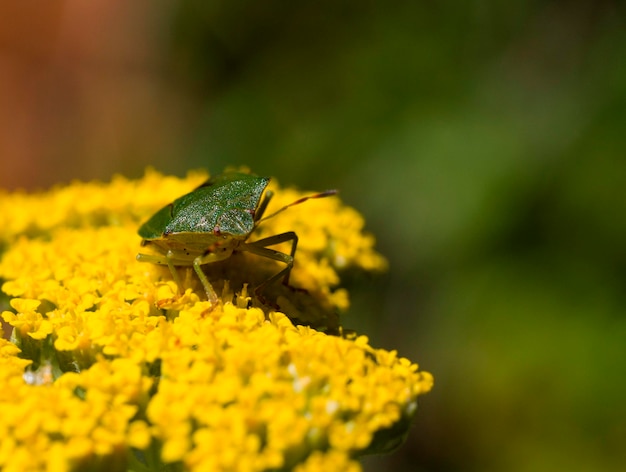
x: 209, y: 223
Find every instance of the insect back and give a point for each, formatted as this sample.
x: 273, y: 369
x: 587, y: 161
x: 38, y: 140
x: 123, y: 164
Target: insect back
x: 225, y: 204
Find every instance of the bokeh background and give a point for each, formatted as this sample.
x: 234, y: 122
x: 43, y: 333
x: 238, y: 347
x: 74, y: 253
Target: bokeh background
x: 483, y: 141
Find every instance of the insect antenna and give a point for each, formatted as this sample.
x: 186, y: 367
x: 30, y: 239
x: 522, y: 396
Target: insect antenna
x: 326, y: 193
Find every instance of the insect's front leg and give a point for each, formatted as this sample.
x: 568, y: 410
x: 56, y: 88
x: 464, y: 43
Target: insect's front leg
x: 207, y: 258
x: 208, y: 288
x: 260, y: 248
x: 170, y: 264
x: 163, y: 260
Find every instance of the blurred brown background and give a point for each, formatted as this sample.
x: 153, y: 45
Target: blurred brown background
x: 484, y: 142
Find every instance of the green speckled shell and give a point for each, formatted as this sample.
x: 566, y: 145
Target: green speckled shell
x: 224, y: 205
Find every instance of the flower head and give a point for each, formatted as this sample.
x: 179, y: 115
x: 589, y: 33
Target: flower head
x: 113, y: 362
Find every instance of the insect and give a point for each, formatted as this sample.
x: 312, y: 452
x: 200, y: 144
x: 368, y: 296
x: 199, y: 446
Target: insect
x: 211, y: 222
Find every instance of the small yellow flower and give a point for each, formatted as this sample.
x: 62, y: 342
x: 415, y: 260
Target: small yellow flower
x: 27, y: 320
x: 139, y: 436
x: 111, y: 362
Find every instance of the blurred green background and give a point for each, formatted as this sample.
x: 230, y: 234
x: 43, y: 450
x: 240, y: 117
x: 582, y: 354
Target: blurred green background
x: 483, y: 141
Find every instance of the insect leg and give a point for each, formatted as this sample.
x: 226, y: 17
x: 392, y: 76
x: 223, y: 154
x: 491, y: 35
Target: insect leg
x: 174, y: 272
x: 208, y: 288
x: 162, y: 260
x: 207, y: 258
x: 260, y: 248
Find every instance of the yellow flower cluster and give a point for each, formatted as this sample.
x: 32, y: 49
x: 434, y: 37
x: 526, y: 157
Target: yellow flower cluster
x: 111, y: 366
